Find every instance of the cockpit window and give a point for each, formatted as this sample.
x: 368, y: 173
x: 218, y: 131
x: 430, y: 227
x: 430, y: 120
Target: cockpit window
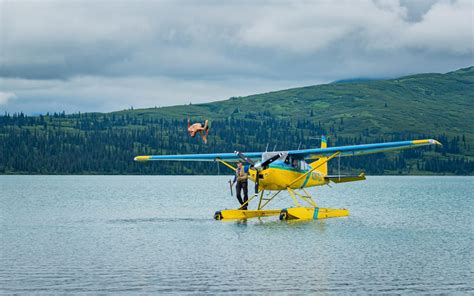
x: 295, y: 163
x: 283, y: 156
x: 305, y: 166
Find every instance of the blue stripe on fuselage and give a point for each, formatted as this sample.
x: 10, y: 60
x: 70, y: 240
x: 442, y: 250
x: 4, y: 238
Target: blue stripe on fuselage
x: 306, y: 180
x: 281, y: 165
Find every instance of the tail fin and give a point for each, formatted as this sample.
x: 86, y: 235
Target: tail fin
x: 324, y: 143
x: 323, y: 169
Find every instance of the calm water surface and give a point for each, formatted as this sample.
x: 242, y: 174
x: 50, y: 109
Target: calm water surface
x: 151, y: 234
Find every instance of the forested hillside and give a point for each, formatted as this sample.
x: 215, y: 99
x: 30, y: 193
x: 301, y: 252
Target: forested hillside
x: 421, y: 106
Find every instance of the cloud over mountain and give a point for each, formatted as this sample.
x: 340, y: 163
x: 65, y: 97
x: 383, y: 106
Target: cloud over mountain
x: 81, y: 55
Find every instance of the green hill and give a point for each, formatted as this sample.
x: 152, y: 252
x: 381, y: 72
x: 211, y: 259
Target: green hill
x: 418, y: 106
x: 424, y: 104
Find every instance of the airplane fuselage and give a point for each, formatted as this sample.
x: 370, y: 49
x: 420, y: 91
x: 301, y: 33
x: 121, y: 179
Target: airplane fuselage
x: 280, y: 174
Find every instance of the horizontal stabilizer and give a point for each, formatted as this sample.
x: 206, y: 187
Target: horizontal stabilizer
x: 346, y: 178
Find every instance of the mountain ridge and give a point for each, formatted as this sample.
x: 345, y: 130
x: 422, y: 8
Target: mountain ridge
x: 411, y: 107
x: 424, y: 93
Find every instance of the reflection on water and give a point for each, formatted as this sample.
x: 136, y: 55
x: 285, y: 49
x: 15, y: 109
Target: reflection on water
x: 154, y: 220
x: 155, y: 234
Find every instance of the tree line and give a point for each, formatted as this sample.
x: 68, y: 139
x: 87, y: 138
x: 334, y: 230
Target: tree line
x: 94, y: 143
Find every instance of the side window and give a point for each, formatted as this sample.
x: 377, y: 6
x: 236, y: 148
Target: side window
x: 305, y: 166
x: 295, y: 163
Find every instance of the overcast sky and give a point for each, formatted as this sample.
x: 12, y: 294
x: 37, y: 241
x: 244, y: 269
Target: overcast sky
x: 110, y: 55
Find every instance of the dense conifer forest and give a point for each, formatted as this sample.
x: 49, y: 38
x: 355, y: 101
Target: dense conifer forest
x: 106, y: 144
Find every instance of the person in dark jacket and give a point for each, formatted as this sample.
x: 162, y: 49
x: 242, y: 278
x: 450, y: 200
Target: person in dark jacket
x: 241, y: 180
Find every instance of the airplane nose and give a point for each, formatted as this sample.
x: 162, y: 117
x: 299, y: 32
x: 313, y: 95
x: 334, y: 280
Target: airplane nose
x: 264, y: 176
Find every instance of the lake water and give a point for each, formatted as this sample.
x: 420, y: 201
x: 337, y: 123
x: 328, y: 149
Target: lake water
x: 156, y: 234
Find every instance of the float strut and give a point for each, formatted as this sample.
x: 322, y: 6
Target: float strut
x: 267, y: 200
x: 293, y: 197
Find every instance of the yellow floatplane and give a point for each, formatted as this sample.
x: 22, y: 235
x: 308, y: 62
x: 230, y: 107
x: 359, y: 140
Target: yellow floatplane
x: 290, y: 171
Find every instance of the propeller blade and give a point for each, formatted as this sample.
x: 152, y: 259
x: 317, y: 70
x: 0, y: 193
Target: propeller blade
x: 244, y: 158
x: 257, y: 182
x: 267, y: 162
x: 258, y: 166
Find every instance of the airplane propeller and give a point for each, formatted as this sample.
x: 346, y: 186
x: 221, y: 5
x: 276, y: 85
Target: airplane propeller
x: 266, y: 163
x: 244, y: 158
x: 258, y: 167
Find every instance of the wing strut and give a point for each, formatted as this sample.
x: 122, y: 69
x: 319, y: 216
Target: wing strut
x: 233, y: 168
x: 225, y: 163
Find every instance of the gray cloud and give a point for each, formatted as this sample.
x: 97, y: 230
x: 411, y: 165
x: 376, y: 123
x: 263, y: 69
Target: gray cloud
x: 108, y: 55
x: 5, y: 97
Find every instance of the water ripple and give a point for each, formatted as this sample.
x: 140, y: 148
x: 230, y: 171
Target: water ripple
x: 121, y: 235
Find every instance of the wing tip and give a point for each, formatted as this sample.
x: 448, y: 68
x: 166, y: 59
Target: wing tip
x: 426, y: 142
x: 141, y: 158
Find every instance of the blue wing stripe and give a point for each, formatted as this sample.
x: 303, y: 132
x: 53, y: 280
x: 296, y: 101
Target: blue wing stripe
x: 360, y: 149
x: 306, y: 153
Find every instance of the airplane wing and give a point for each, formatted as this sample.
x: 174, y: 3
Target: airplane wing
x: 231, y: 157
x: 354, y: 150
x: 309, y: 154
